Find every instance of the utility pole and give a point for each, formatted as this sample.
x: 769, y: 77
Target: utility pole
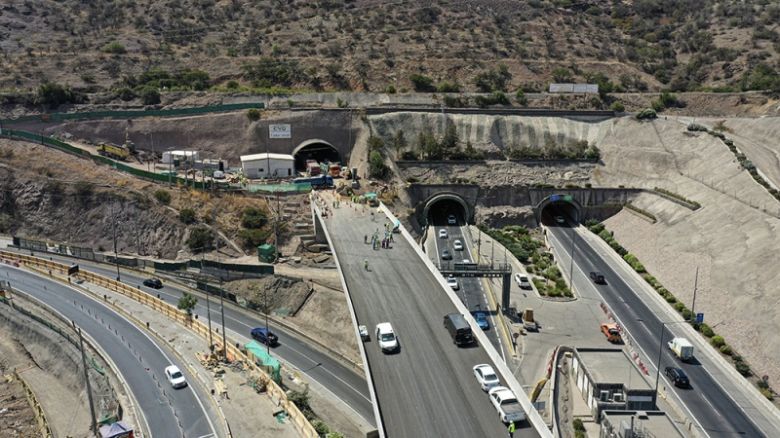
x: 491, y: 254
x: 695, y: 286
x: 221, y: 295
x: 276, y: 225
x: 116, y: 253
x: 265, y: 307
x: 89, y: 387
x: 208, y: 302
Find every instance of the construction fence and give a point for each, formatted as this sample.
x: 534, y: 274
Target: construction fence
x: 132, y: 114
x: 275, y: 392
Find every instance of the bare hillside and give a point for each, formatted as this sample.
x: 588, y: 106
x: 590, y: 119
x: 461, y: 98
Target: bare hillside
x: 126, y: 48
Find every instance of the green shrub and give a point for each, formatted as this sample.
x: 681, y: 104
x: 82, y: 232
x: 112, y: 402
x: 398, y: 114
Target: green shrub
x: 670, y: 298
x: 766, y: 392
x: 201, y: 239
x: 687, y: 314
x: 647, y: 114
x: 577, y: 425
x: 376, y: 165
x: 520, y: 98
x: 253, y: 114
x: 232, y: 85
x: 617, y: 107
x: 114, y: 47
x: 634, y: 262
x: 149, y: 96
x: 678, y: 306
x: 301, y: 400
x: 253, y: 217
x: 726, y: 349
x: 54, y: 95
x: 320, y: 427
x: 390, y: 89
x: 162, y: 196
x: 743, y: 368
x: 187, y: 216
x: 717, y: 341
x: 448, y: 87
x: 706, y: 330
x: 124, y: 93
x: 252, y: 237
x: 422, y: 83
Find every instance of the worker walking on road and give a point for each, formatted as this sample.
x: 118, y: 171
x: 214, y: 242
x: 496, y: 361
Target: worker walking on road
x: 365, y: 264
x: 511, y: 429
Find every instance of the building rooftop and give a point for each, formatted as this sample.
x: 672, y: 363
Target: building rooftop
x: 657, y: 423
x: 266, y: 156
x: 607, y: 365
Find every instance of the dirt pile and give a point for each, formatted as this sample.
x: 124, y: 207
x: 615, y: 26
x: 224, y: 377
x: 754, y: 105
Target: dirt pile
x: 280, y: 295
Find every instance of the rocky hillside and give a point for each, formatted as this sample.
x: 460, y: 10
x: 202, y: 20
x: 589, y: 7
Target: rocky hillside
x: 135, y: 49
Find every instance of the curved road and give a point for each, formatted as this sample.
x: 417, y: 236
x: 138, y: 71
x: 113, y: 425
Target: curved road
x: 345, y: 384
x: 185, y: 412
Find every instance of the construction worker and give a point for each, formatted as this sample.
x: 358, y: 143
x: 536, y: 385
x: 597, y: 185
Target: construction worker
x: 511, y: 429
x: 365, y: 264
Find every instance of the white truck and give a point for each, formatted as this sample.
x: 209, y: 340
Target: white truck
x: 505, y: 402
x: 682, y: 348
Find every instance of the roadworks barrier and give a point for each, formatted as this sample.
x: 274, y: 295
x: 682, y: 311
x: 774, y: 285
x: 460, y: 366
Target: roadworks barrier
x: 273, y: 390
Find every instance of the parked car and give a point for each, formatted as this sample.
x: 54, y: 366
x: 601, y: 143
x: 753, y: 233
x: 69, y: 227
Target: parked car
x: 597, y: 277
x: 451, y: 220
x: 175, y: 377
x: 385, y: 337
x: 505, y: 402
x: 453, y: 283
x: 445, y: 255
x: 458, y: 245
x: 443, y: 234
x: 482, y: 319
x: 678, y: 377
x: 522, y: 281
x: 264, y: 336
x: 154, y: 283
x: 486, y: 377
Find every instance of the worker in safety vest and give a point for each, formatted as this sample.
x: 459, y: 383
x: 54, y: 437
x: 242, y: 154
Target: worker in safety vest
x: 511, y: 429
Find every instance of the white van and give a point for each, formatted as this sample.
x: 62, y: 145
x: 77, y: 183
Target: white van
x: 522, y: 281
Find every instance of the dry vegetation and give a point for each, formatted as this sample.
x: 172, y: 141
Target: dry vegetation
x: 129, y: 50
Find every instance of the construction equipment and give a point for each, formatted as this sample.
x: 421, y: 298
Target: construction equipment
x: 612, y: 333
x: 528, y: 320
x: 113, y: 151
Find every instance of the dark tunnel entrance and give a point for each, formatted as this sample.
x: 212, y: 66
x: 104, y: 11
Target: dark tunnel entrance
x: 559, y: 213
x: 318, y: 150
x: 442, y: 209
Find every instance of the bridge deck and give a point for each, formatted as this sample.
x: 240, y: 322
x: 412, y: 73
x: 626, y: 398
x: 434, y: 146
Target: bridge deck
x: 427, y: 389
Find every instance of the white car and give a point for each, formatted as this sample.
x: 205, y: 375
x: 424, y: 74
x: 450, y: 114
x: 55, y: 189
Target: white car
x: 522, y: 281
x: 453, y: 283
x: 560, y: 220
x: 443, y: 234
x: 451, y: 220
x: 458, y: 245
x: 386, y: 338
x: 175, y: 377
x: 505, y: 402
x: 486, y: 377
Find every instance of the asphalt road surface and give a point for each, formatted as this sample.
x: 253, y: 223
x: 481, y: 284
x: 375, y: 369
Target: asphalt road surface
x: 164, y: 407
x: 344, y: 383
x: 471, y: 291
x: 710, y: 405
x: 428, y: 388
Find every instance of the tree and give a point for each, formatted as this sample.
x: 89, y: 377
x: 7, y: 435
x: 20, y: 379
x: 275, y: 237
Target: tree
x: 429, y: 148
x: 399, y: 141
x: 187, y: 303
x: 422, y: 83
x: 187, y: 216
x: 377, y: 167
x: 201, y: 239
x: 54, y: 95
x: 450, y: 140
x: 375, y: 143
x: 562, y: 74
x: 493, y: 80
x: 253, y: 217
x: 150, y: 95
x: 253, y: 114
x: 520, y: 98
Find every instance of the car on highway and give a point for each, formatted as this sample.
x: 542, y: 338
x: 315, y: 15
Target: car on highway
x: 505, y: 402
x: 154, y: 283
x: 458, y: 245
x: 386, y: 338
x: 597, y: 277
x: 522, y: 281
x: 175, y: 377
x: 451, y: 220
x: 482, y: 319
x: 453, y: 283
x: 560, y: 220
x: 265, y: 336
x: 678, y: 377
x: 486, y: 377
x: 443, y: 234
x: 446, y: 255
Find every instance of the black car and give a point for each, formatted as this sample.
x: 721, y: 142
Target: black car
x: 445, y: 255
x: 154, y: 283
x: 265, y: 336
x: 678, y: 377
x: 597, y: 277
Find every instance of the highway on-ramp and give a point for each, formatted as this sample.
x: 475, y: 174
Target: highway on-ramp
x: 714, y: 409
x: 344, y: 383
x: 427, y: 389
x: 185, y: 412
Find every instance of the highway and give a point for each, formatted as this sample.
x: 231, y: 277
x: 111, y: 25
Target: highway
x: 471, y: 291
x: 163, y: 407
x: 428, y: 388
x: 714, y: 410
x: 344, y: 383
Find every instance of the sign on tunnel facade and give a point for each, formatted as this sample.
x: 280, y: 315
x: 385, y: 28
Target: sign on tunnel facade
x: 280, y: 131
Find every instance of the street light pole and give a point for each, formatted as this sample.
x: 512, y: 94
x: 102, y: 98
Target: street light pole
x: 208, y: 302
x: 658, y: 363
x: 267, y: 332
x: 695, y: 286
